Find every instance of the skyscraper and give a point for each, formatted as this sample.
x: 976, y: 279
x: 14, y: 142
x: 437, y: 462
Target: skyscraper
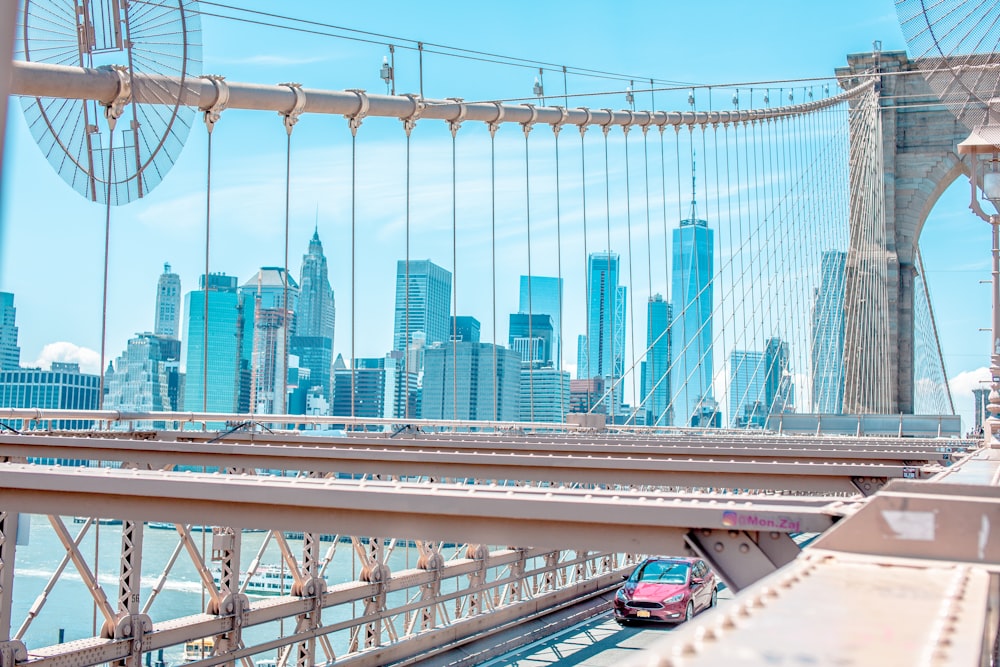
x: 779, y: 392
x: 465, y: 328
x: 544, y: 395
x: 10, y: 353
x: 221, y: 350
x: 271, y: 321
x: 655, y: 375
x: 146, y: 377
x: 372, y: 390
x: 747, y: 396
x: 315, y: 317
x: 605, y: 341
x: 691, y: 331
x: 532, y: 337
x: 459, y: 383
x: 62, y: 387
x: 828, y: 335
x: 168, y: 304
x: 542, y: 295
x: 423, y: 295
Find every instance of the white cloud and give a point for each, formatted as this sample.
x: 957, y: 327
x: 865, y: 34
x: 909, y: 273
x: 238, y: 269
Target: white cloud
x: 961, y: 393
x: 89, y: 360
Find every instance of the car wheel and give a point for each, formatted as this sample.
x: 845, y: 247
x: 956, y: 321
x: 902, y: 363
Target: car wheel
x: 689, y: 612
x: 715, y: 597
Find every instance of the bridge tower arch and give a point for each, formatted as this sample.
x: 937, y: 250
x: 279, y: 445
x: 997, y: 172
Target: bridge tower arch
x: 920, y: 160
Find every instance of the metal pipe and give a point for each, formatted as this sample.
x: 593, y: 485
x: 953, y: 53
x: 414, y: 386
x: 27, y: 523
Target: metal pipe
x: 43, y: 80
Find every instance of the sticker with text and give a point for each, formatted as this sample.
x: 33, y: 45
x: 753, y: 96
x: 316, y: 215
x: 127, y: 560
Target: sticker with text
x: 731, y: 519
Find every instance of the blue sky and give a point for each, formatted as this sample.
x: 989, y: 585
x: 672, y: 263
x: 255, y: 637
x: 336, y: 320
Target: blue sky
x: 52, y: 239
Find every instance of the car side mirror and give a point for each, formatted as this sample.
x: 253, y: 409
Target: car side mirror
x: 624, y: 577
x: 697, y: 582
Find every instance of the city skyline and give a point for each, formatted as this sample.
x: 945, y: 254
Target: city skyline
x: 139, y: 218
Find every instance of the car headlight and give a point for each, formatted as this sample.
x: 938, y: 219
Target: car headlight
x: 674, y: 598
x: 622, y: 595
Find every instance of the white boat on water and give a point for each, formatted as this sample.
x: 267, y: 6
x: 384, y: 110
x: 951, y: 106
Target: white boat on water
x: 265, y: 580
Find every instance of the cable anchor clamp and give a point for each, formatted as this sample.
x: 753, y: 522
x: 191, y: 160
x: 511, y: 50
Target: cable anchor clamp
x: 292, y: 117
x: 563, y: 116
x: 455, y: 123
x: 114, y: 109
x: 494, y: 124
x: 605, y: 127
x: 364, y: 104
x: 410, y: 121
x: 214, y: 111
x: 530, y: 123
x: 585, y: 125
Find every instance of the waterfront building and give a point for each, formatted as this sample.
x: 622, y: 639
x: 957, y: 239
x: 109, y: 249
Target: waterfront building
x: 828, y: 335
x: 315, y: 319
x: 168, y: 304
x: 605, y: 340
x: 691, y: 332
x: 423, y: 295
x: 542, y: 295
x: 10, y: 353
x: 747, y: 397
x: 372, y: 393
x: 656, y: 409
x: 145, y: 378
x: 465, y: 328
x: 62, y: 387
x: 461, y: 382
x: 220, y: 349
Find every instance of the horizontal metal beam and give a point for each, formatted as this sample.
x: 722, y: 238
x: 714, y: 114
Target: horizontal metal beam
x: 102, y: 85
x: 543, y: 517
x: 813, y: 476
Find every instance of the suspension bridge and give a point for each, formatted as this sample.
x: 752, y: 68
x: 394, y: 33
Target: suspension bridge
x: 783, y: 231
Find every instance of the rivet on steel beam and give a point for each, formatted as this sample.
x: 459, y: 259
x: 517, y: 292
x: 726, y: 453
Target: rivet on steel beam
x: 719, y: 547
x: 744, y: 548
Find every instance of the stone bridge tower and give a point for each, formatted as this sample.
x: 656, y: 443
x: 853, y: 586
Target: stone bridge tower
x: 919, y: 143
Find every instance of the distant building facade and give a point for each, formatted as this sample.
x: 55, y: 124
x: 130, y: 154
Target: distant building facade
x: 63, y: 387
x: 655, y: 403
x: 461, y: 382
x: 747, y: 397
x: 10, y: 353
x: 544, y: 395
x: 542, y: 295
x: 828, y: 335
x: 214, y: 387
x: 269, y: 321
x: 168, y: 304
x: 423, y: 296
x: 315, y: 320
x: 465, y: 329
x: 146, y: 378
x: 605, y: 340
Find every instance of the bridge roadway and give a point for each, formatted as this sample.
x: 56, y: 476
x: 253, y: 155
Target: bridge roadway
x: 745, y: 536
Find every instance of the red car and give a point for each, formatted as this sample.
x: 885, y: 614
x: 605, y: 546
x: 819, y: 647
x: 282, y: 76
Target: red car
x: 668, y: 590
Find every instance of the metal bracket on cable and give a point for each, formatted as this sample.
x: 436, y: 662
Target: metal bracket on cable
x: 364, y: 104
x: 605, y: 127
x: 494, y: 124
x: 562, y: 120
x: 650, y: 119
x: 292, y: 117
x: 114, y: 110
x: 631, y: 118
x: 530, y: 123
x: 456, y: 122
x: 585, y: 125
x: 214, y: 112
x: 410, y: 121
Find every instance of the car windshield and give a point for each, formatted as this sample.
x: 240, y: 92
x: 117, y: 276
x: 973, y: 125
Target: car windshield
x: 664, y: 572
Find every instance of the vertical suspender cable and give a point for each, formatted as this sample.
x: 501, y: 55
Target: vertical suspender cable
x: 406, y: 304
x: 650, y: 357
x: 205, y: 290
x: 610, y: 291
x: 454, y: 273
x: 493, y: 127
x: 559, y: 346
x: 630, y: 302
x: 284, y: 291
x: 586, y: 262
x: 107, y: 248
x: 531, y: 310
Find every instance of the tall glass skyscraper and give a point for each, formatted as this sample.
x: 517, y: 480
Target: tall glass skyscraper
x: 747, y: 396
x: 605, y: 341
x: 691, y: 331
x: 542, y: 295
x: 168, y: 304
x: 828, y: 336
x: 655, y: 376
x: 221, y: 349
x: 532, y: 337
x: 778, y: 387
x: 315, y: 318
x: 423, y: 303
x: 10, y: 353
